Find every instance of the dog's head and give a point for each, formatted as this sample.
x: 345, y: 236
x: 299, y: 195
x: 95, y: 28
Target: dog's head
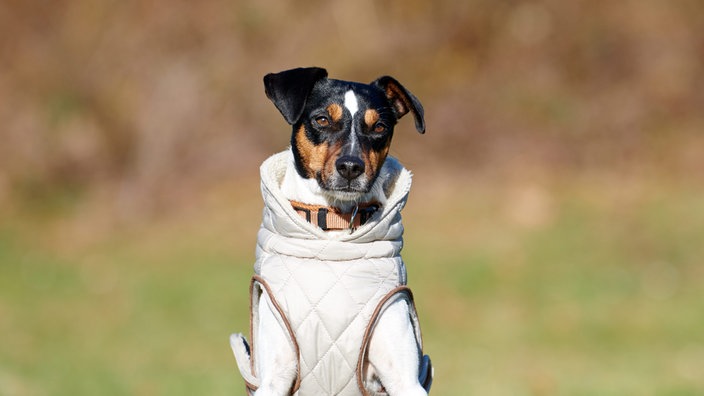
x: 341, y: 130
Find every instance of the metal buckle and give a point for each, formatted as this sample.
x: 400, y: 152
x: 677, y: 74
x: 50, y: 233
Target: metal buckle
x: 354, y: 214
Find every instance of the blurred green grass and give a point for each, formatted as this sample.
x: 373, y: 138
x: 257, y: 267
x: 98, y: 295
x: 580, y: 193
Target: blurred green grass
x: 119, y: 320
x: 580, y: 288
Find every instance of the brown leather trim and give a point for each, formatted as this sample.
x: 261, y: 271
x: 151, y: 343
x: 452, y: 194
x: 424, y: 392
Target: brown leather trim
x: 250, y: 388
x: 370, y: 329
x: 258, y: 279
x: 251, y: 335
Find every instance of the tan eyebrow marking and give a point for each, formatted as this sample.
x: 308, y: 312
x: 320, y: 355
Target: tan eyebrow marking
x: 335, y: 111
x: 371, y: 116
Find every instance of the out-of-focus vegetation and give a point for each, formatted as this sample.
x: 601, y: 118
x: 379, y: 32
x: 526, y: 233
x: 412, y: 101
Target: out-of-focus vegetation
x: 554, y: 229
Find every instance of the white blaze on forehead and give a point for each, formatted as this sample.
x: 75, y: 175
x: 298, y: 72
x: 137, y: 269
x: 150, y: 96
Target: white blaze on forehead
x: 351, y: 102
x: 352, y: 105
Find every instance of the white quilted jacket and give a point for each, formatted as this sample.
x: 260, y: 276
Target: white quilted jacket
x: 327, y: 285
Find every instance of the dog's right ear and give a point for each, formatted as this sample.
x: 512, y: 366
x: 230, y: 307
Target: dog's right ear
x: 289, y: 89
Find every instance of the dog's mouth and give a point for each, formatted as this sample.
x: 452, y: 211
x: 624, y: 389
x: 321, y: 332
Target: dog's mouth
x: 340, y: 186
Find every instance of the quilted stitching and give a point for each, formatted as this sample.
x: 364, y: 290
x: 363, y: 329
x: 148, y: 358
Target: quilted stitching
x: 328, y: 287
x: 325, y: 300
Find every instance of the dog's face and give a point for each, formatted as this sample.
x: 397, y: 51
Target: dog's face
x: 341, y: 130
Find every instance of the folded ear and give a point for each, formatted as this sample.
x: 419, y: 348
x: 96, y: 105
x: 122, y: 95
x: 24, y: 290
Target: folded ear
x: 402, y: 100
x: 289, y: 89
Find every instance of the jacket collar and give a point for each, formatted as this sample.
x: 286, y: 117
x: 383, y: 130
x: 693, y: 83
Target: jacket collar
x: 281, y: 217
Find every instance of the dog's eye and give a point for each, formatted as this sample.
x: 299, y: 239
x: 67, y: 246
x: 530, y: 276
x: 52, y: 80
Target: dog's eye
x: 322, y: 121
x: 380, y: 127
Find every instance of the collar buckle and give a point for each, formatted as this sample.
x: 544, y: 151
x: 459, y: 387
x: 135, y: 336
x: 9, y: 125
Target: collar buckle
x: 354, y: 214
x: 332, y: 219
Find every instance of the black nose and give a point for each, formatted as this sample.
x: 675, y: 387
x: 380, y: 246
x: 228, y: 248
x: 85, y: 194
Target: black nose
x: 349, y: 167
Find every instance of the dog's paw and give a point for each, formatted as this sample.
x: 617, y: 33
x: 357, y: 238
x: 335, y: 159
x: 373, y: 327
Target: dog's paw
x: 426, y: 373
x: 241, y: 350
x: 240, y: 346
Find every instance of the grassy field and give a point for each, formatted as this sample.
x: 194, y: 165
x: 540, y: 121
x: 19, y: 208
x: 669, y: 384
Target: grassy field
x: 587, y: 287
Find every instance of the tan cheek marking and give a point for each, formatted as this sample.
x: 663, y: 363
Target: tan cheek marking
x: 335, y: 111
x: 371, y: 117
x: 312, y: 156
x: 319, y: 156
x: 333, y: 153
x: 374, y: 161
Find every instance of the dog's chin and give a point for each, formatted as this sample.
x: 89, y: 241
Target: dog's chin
x: 341, y: 195
x: 345, y: 192
x: 344, y: 196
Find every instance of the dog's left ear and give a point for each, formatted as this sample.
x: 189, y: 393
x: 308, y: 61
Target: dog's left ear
x: 289, y: 89
x: 402, y: 100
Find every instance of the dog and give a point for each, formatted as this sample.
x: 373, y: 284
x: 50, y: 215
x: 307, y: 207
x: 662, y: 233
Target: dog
x: 335, y: 181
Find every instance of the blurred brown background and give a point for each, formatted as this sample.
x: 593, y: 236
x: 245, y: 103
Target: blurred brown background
x: 553, y: 233
x: 147, y: 101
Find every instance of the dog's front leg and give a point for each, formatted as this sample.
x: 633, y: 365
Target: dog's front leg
x: 275, y: 358
x: 394, y: 353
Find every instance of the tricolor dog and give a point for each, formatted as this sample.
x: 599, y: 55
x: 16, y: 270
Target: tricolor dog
x: 330, y: 310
